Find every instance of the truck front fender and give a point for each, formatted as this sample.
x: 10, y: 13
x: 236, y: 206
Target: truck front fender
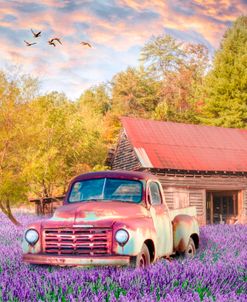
x: 184, y: 227
x: 139, y: 231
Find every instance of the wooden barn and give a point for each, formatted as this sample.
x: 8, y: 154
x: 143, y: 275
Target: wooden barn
x: 203, y: 166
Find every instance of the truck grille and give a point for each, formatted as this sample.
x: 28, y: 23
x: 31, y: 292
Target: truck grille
x: 74, y: 241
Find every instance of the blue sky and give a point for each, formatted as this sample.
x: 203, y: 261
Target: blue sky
x: 116, y: 29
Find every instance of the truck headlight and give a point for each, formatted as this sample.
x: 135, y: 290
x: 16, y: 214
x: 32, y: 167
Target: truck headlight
x: 31, y: 236
x: 122, y: 236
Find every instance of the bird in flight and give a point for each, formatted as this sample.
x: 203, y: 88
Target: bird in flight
x: 56, y: 39
x: 29, y: 44
x: 36, y: 35
x: 52, y: 41
x: 86, y: 44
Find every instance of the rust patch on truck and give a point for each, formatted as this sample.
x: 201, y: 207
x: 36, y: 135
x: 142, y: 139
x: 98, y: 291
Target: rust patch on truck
x: 183, y: 227
x: 113, y: 230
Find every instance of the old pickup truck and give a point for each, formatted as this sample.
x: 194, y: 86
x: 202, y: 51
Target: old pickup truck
x: 112, y: 218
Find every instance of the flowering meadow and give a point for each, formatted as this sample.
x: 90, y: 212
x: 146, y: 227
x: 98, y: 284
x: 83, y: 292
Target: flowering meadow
x: 217, y: 273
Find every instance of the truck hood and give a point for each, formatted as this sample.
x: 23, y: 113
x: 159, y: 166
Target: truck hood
x: 96, y: 213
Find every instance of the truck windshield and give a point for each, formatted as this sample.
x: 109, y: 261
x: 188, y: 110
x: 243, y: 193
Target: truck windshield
x: 106, y: 189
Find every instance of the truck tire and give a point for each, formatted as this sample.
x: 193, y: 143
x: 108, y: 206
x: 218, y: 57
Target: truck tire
x: 143, y: 258
x: 190, y: 249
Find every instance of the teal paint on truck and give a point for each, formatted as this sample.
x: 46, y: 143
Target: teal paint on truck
x: 87, y: 231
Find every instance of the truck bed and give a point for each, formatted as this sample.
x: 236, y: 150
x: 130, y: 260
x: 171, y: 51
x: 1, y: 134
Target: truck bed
x: 184, y: 211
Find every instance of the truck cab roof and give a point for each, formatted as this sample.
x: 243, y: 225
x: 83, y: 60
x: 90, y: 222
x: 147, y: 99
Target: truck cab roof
x: 119, y: 174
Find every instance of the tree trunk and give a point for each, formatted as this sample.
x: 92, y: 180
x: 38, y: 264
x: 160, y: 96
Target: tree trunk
x: 45, y: 190
x: 7, y: 211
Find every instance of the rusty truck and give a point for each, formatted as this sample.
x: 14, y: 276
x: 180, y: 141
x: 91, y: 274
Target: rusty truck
x: 112, y: 218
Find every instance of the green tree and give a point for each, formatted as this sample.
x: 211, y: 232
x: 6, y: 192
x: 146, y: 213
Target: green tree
x: 97, y: 99
x: 180, y: 69
x: 226, y: 84
x: 66, y: 141
x: 13, y: 144
x: 134, y: 93
x: 181, y: 89
x: 161, y: 55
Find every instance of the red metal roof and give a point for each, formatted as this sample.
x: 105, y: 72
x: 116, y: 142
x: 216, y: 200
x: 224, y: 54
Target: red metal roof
x: 168, y: 145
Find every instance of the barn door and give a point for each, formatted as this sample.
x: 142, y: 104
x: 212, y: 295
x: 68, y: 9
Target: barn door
x: 221, y: 206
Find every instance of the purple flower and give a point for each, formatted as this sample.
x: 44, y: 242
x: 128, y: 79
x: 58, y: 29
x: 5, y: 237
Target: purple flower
x: 216, y: 273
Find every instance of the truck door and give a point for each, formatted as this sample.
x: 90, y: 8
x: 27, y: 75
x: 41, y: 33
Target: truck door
x: 161, y: 220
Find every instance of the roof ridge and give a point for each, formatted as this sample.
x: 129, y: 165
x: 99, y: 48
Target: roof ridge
x: 164, y: 144
x: 179, y: 123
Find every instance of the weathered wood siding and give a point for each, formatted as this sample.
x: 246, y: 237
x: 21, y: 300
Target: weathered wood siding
x: 180, y: 197
x: 169, y: 198
x: 125, y: 157
x: 244, y: 214
x: 197, y: 187
x: 211, y: 183
x: 197, y: 198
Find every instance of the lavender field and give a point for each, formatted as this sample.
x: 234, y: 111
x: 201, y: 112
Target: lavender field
x: 217, y: 273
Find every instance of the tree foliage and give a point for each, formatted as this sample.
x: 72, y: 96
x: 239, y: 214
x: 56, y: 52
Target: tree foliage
x: 65, y: 142
x: 44, y: 142
x: 134, y: 93
x: 97, y: 99
x: 45, y: 139
x: 179, y: 68
x: 13, y: 144
x: 161, y: 55
x: 226, y: 84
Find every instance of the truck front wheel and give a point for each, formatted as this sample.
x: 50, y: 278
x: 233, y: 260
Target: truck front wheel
x: 143, y: 258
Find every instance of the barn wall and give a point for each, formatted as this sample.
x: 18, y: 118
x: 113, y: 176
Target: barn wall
x: 210, y: 183
x: 125, y: 157
x: 180, y: 197
x: 197, y: 198
x: 192, y: 191
x: 244, y: 202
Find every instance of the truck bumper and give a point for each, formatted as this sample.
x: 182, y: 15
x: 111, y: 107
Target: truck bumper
x: 75, y: 260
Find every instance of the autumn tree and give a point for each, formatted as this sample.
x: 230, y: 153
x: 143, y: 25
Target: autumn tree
x: 13, y: 143
x: 65, y: 142
x: 45, y: 140
x: 97, y: 99
x: 162, y: 55
x: 134, y: 93
x: 179, y: 68
x: 225, y: 87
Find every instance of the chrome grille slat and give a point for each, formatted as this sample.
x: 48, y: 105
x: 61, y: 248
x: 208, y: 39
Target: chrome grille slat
x: 74, y: 241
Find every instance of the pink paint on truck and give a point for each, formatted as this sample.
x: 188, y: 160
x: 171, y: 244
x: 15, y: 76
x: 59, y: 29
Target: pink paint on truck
x: 112, y: 218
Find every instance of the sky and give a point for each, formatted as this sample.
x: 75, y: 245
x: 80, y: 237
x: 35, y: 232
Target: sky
x: 116, y: 29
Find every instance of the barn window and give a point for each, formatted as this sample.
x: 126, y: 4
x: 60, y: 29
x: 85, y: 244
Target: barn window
x: 221, y: 206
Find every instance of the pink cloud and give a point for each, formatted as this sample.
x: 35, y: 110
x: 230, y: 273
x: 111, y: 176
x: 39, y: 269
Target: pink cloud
x: 108, y: 35
x: 205, y: 17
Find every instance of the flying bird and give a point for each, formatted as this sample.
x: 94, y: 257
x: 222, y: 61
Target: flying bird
x: 56, y: 39
x: 86, y: 44
x: 50, y: 42
x: 36, y: 35
x: 29, y: 44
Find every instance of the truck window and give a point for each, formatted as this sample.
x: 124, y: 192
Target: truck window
x: 106, y: 189
x: 154, y: 193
